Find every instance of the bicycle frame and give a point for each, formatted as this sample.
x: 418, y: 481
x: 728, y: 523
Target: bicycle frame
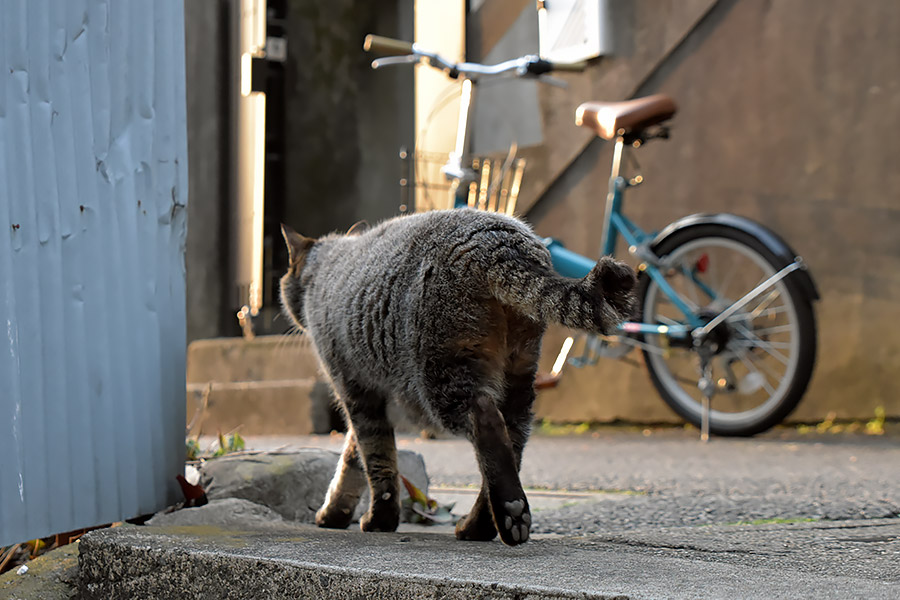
x: 615, y: 224
x: 694, y: 331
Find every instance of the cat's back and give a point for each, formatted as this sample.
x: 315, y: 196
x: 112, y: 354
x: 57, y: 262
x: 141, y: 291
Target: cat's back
x: 437, y: 237
x: 379, y: 302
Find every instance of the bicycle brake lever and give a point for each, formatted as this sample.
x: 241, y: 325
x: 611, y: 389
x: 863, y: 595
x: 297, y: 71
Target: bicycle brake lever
x: 387, y: 61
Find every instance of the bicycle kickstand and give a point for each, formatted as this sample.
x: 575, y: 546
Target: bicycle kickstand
x: 706, y: 386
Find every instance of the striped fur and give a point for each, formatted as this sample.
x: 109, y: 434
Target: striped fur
x: 443, y: 312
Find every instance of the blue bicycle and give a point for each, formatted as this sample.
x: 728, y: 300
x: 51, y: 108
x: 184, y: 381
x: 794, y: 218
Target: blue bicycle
x: 727, y: 326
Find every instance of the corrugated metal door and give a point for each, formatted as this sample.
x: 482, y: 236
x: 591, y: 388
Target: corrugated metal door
x: 93, y: 186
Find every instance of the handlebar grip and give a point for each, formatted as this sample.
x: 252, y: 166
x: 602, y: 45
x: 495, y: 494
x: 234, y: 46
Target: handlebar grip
x: 386, y: 45
x: 575, y: 67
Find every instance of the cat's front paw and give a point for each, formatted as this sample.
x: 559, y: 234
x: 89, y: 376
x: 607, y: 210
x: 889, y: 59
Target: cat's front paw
x: 513, y: 520
x: 334, y: 518
x: 477, y: 526
x: 383, y: 517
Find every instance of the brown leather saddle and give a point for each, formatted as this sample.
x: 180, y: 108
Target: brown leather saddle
x: 611, y: 119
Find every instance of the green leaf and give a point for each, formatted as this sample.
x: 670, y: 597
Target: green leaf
x: 192, y: 449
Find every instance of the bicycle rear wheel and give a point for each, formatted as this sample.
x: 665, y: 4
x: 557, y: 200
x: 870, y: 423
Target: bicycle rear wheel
x: 764, y: 353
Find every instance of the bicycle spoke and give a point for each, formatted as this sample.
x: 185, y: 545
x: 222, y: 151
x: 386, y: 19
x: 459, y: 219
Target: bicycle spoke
x: 692, y: 287
x: 751, y: 367
x: 774, y: 329
x: 729, y: 275
x: 694, y: 306
x: 774, y: 311
x: 764, y: 303
x: 758, y: 360
x: 762, y: 344
x: 667, y: 321
x: 691, y: 383
x: 767, y: 299
x: 756, y: 342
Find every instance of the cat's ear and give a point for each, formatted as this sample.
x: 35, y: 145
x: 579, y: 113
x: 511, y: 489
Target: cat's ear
x: 297, y: 246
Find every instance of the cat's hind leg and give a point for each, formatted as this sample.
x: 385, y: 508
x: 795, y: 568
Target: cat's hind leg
x: 478, y: 525
x: 499, y: 468
x: 501, y: 506
x: 367, y: 412
x: 523, y: 345
x: 345, y: 489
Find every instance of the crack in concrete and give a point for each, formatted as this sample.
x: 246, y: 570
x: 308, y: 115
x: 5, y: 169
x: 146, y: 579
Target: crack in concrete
x: 688, y: 547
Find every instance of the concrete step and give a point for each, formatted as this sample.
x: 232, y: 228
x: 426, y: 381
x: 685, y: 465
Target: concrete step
x: 264, y: 358
x: 254, y: 407
x: 304, y: 562
x: 270, y: 385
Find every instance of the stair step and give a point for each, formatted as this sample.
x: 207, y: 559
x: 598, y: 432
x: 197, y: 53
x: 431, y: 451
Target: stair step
x: 280, y: 407
x: 264, y: 358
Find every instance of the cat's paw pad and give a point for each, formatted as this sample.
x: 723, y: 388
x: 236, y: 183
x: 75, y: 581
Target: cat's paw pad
x: 515, y: 507
x: 515, y: 525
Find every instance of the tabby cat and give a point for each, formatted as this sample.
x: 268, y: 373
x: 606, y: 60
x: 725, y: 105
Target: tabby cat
x: 444, y: 312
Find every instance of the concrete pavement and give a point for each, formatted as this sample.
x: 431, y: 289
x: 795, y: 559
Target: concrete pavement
x: 617, y: 514
x: 301, y: 561
x: 620, y: 513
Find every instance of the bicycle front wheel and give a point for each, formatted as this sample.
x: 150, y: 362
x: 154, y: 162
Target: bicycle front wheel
x: 764, y: 353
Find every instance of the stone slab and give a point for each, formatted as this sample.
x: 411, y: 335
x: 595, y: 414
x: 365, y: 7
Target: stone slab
x: 292, y: 484
x: 235, y: 513
x: 302, y: 561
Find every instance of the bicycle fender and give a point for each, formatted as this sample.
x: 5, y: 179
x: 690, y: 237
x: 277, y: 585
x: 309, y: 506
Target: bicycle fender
x: 771, y: 240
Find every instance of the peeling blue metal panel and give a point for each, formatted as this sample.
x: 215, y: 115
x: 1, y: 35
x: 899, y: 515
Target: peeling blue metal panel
x: 93, y: 188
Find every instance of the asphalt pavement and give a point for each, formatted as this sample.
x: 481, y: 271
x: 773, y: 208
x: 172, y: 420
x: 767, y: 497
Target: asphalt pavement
x: 632, y: 478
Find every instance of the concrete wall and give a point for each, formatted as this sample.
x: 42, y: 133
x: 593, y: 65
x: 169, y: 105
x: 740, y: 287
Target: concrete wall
x: 345, y: 122
x: 206, y: 40
x: 344, y: 126
x: 788, y: 113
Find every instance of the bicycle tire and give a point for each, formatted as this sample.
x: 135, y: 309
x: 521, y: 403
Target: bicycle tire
x: 798, y: 309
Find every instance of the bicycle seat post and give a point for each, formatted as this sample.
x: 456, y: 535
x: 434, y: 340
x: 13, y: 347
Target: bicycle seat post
x: 616, y: 188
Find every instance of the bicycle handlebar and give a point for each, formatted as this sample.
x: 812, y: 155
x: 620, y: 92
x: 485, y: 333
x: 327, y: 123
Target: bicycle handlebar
x: 523, y: 66
x: 386, y: 45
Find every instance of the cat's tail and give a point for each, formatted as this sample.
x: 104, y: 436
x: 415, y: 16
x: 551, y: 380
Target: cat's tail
x: 597, y: 303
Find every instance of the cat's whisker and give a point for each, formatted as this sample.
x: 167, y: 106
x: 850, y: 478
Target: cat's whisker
x: 288, y: 339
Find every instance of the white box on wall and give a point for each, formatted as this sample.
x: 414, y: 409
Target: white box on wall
x: 574, y: 30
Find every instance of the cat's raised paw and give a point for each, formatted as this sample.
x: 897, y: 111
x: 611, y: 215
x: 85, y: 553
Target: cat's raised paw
x: 515, y: 525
